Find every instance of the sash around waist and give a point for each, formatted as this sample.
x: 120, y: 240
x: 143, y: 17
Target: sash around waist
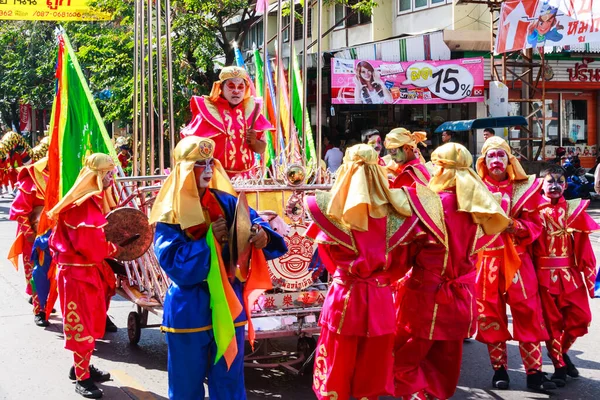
x: 378, y: 279
x: 555, y: 262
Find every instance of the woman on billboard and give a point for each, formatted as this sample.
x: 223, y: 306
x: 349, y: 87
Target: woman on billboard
x: 369, y: 88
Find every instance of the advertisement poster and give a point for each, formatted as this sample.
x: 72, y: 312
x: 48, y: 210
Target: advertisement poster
x: 526, y: 24
x: 412, y: 82
x: 50, y: 10
x: 25, y: 117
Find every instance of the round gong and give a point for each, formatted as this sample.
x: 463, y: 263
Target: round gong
x: 129, y: 228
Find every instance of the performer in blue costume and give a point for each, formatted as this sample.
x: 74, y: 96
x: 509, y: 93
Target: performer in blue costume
x: 194, y: 210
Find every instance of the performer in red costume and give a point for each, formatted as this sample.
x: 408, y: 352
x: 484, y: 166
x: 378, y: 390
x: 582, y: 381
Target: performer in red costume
x: 456, y: 218
x: 26, y: 209
x: 404, y: 165
x: 562, y: 255
x: 84, y: 279
x: 232, y: 118
x: 506, y: 275
x: 357, y: 225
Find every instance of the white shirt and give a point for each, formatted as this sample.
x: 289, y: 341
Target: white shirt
x: 334, y: 158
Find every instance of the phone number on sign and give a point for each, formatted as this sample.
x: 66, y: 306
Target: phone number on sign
x: 58, y: 14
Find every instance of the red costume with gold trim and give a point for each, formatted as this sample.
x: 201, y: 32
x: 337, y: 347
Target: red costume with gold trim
x: 85, y: 281
x: 566, y: 271
x: 410, y: 174
x: 30, y: 195
x: 506, y: 276
x: 227, y: 126
x: 437, y: 299
x: 355, y: 350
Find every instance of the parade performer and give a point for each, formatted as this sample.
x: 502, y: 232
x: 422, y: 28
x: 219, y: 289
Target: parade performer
x: 562, y: 255
x: 357, y: 225
x: 17, y: 153
x: 506, y: 275
x: 202, y: 305
x: 26, y: 209
x: 85, y: 281
x: 457, y: 217
x: 404, y: 165
x: 231, y: 117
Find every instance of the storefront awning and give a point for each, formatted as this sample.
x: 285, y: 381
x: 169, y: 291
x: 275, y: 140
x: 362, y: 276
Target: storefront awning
x: 481, y: 123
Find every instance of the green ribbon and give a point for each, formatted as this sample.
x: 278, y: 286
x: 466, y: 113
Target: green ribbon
x: 222, y: 321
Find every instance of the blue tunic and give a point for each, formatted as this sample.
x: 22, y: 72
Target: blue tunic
x: 187, y: 315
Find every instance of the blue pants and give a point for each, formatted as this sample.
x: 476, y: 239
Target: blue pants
x: 191, y: 360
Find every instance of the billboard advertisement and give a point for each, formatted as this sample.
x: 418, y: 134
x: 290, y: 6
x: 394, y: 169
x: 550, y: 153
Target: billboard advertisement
x: 412, y: 82
x: 526, y: 24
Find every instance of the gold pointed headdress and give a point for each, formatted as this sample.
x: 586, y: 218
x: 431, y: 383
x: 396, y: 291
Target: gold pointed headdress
x: 178, y: 201
x: 514, y: 169
x: 88, y: 183
x: 452, y: 163
x: 230, y: 72
x: 361, y: 190
x: 399, y: 137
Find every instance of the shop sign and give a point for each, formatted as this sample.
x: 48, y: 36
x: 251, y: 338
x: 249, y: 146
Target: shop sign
x: 526, y: 24
x: 581, y: 72
x: 25, y: 117
x: 422, y: 82
x: 50, y: 10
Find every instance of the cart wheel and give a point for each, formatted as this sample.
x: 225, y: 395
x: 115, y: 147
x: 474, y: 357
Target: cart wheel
x: 134, y: 327
x: 307, y: 346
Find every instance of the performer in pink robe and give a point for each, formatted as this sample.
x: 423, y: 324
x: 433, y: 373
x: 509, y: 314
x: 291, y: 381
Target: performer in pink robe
x: 457, y: 217
x: 506, y: 275
x: 357, y: 225
x: 232, y: 118
x: 26, y: 209
x: 403, y: 163
x: 85, y: 281
x: 566, y: 270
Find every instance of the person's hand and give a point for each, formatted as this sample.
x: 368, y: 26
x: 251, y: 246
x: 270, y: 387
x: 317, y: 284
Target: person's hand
x: 377, y: 76
x: 220, y: 231
x: 251, y: 136
x: 259, y: 237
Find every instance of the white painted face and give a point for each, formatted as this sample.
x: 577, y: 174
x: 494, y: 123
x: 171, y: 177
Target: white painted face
x: 496, y: 161
x: 233, y: 90
x: 204, y: 172
x: 554, y: 186
x: 376, y: 143
x: 108, y: 179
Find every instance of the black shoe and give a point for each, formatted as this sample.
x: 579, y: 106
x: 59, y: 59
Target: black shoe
x: 559, y: 376
x: 572, y: 370
x: 539, y: 382
x: 501, y: 379
x: 40, y: 319
x: 30, y: 300
x: 88, y: 389
x: 96, y: 375
x: 110, y: 326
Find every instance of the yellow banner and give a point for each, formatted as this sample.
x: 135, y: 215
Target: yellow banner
x: 50, y: 10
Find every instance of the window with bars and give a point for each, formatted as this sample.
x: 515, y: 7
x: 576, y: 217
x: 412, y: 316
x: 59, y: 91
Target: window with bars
x: 341, y: 11
x: 299, y: 26
x: 254, y: 35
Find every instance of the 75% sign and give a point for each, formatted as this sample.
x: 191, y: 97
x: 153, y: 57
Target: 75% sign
x: 449, y: 82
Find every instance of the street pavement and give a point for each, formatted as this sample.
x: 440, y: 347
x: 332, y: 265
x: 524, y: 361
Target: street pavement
x: 34, y: 364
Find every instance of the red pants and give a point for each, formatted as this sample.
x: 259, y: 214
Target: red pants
x: 356, y: 366
x: 566, y: 313
x: 83, y: 293
x: 527, y: 319
x: 28, y: 268
x: 429, y: 366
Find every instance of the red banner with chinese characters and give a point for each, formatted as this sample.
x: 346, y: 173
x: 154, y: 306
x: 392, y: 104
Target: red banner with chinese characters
x: 526, y: 24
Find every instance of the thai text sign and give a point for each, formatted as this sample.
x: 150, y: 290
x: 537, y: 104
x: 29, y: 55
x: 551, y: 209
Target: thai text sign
x: 526, y: 24
x: 413, y: 82
x: 50, y: 10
